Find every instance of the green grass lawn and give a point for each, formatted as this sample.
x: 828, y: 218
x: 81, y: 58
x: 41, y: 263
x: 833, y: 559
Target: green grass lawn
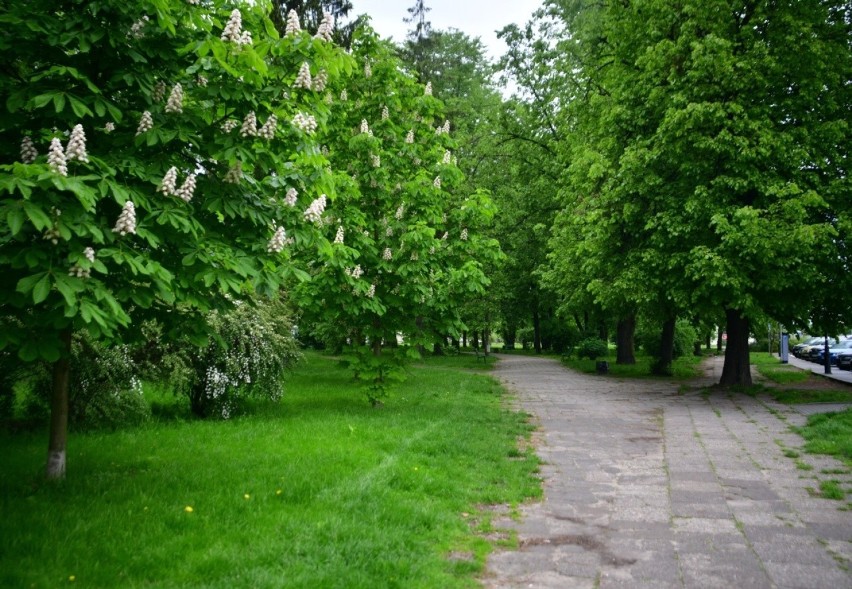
x: 684, y: 367
x: 318, y: 491
x: 771, y: 367
x: 829, y: 433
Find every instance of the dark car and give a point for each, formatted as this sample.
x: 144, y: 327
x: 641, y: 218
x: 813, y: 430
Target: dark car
x: 834, y: 350
x: 844, y: 360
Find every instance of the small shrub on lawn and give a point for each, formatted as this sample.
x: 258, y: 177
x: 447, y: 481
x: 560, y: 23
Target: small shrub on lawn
x: 592, y: 348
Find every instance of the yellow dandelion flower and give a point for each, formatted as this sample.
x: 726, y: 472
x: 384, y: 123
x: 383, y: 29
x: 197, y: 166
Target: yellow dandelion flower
x: 247, y: 496
x: 188, y: 509
x: 278, y: 492
x: 72, y: 578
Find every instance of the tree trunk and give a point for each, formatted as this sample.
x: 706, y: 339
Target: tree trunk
x: 624, y: 349
x: 59, y: 412
x: 696, y: 348
x: 663, y: 365
x: 827, y: 358
x: 464, y: 339
x: 474, y: 339
x: 537, y: 332
x: 719, y: 339
x: 737, y: 369
x: 708, y: 340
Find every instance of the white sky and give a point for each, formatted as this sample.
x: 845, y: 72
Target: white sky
x: 477, y: 18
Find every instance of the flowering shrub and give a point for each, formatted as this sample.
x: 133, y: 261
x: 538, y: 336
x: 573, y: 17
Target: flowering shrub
x: 250, y: 348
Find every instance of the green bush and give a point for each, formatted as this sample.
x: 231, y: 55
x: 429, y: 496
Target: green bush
x: 104, y: 391
x: 250, y: 347
x: 591, y: 348
x: 684, y: 339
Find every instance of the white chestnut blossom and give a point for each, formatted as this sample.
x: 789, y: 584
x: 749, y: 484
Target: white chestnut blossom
x: 305, y: 123
x: 448, y: 157
x: 368, y: 71
x: 385, y: 113
x: 371, y: 292
x: 338, y: 238
x: 446, y: 128
x: 229, y: 125
x: 387, y: 254
x: 328, y: 98
x: 234, y: 174
x: 169, y: 184
x: 175, y: 102
x: 187, y: 189
x: 56, y: 158
x: 445, y: 236
x: 303, y: 78
x: 293, y: 27
x: 414, y: 256
x: 428, y: 89
x: 89, y: 254
x: 28, y: 150
x: 267, y: 131
x: 320, y: 81
x: 159, y: 92
x: 109, y: 127
x: 344, y: 96
x: 249, y: 128
x: 136, y: 28
x: 126, y: 222
x: 146, y: 123
x: 437, y: 182
x: 278, y: 241
x: 201, y: 81
x: 290, y: 197
x: 400, y: 211
x: 389, y: 232
x: 409, y: 137
x: 365, y: 127
x: 325, y: 28
x: 314, y: 212
x: 375, y: 160
x: 464, y: 234
x: 233, y: 30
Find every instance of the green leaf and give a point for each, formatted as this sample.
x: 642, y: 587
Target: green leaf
x: 15, y: 219
x: 41, y: 289
x: 79, y: 107
x: 59, y: 102
x: 37, y: 217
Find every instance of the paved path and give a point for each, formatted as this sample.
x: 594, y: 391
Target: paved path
x: 648, y: 488
x: 836, y: 374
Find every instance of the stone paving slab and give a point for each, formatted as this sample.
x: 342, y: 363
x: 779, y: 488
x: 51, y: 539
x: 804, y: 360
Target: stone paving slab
x: 648, y: 487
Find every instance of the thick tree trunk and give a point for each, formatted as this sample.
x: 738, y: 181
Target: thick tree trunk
x: 537, y: 332
x: 696, y: 348
x: 624, y: 349
x: 663, y: 365
x: 59, y: 412
x: 474, y: 339
x: 708, y: 340
x: 737, y: 369
x: 464, y: 339
x: 719, y: 339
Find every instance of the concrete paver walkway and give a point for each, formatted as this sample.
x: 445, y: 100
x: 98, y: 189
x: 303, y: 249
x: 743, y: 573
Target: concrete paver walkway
x: 647, y: 487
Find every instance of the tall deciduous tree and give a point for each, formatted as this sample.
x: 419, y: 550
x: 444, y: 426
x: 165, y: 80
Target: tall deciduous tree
x: 731, y: 160
x: 157, y: 158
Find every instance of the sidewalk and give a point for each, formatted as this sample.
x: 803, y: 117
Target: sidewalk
x: 647, y: 487
x: 844, y: 376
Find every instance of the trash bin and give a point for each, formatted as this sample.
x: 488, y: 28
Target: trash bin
x: 785, y: 348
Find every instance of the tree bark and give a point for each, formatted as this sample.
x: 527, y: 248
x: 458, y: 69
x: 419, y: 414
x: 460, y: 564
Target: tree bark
x: 58, y: 439
x: 737, y: 369
x: 663, y: 365
x: 719, y: 339
x: 536, y: 332
x: 625, y: 352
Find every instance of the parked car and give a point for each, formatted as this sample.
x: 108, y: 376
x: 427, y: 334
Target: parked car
x: 798, y: 349
x: 844, y: 360
x: 834, y: 350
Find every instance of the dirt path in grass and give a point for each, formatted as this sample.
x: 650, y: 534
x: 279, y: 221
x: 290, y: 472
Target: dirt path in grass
x: 648, y: 487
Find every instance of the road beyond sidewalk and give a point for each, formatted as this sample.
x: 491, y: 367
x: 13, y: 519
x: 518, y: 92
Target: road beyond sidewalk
x: 648, y: 488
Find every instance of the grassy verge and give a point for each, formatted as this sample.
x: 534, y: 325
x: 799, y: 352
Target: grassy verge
x: 829, y: 433
x: 770, y: 367
x: 317, y: 491
x: 682, y: 368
